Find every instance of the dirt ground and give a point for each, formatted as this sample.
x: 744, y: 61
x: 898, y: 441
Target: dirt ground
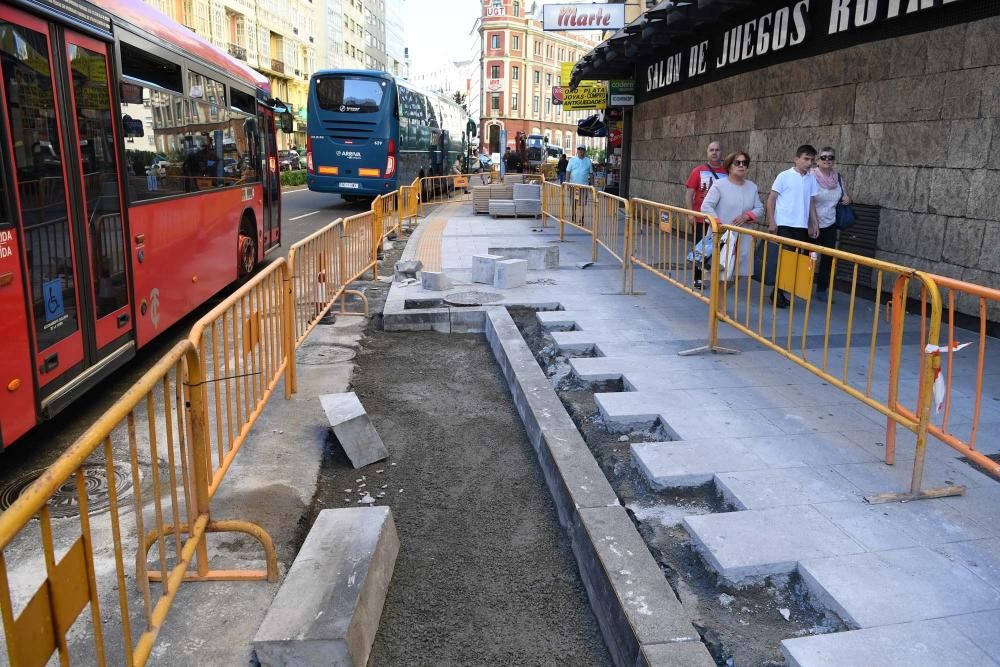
x: 485, y: 574
x: 741, y: 627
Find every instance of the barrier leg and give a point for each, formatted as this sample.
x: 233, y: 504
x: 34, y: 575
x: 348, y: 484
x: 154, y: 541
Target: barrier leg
x: 713, y: 307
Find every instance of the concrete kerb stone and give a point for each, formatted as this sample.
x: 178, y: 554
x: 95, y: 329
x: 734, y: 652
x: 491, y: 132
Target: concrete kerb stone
x: 614, y: 561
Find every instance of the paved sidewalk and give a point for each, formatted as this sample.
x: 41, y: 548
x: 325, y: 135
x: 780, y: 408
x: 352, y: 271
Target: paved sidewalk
x: 793, y: 454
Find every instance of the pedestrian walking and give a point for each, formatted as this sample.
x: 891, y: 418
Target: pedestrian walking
x: 791, y: 206
x: 561, y: 168
x: 831, y: 192
x: 698, y: 184
x: 735, y: 200
x: 580, y: 170
x: 485, y: 167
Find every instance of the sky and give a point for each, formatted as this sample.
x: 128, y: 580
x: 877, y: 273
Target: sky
x: 438, y: 30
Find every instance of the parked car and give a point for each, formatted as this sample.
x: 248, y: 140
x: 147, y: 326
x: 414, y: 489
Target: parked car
x: 288, y: 160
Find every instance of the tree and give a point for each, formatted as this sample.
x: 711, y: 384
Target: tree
x: 460, y: 100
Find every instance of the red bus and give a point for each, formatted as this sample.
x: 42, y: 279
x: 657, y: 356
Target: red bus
x: 138, y: 177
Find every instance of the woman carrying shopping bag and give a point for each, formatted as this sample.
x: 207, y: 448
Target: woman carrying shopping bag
x: 734, y: 201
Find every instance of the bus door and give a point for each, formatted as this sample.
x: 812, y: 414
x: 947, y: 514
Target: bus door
x: 272, y: 179
x: 56, y: 93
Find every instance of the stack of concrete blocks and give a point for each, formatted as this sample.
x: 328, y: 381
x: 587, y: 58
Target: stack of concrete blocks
x: 528, y: 200
x: 483, y: 195
x: 498, y: 271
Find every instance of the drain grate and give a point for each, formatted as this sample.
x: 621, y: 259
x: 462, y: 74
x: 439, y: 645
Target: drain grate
x: 63, y: 503
x: 473, y: 298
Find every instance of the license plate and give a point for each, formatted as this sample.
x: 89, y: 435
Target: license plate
x: 354, y: 186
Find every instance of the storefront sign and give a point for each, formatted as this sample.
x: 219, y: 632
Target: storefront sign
x: 621, y: 92
x: 583, y: 17
x: 495, y: 8
x: 557, y: 95
x: 585, y: 97
x: 494, y: 85
x: 789, y: 30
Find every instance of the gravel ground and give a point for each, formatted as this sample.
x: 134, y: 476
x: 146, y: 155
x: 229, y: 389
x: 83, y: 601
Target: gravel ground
x: 485, y: 574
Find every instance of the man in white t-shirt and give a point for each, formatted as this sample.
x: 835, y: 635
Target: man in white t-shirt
x: 791, y: 206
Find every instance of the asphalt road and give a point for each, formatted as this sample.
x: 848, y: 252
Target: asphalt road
x: 302, y: 213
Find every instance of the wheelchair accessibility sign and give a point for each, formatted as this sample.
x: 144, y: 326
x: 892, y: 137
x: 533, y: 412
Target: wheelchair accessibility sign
x: 52, y: 297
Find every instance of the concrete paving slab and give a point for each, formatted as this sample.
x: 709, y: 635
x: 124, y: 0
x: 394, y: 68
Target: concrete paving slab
x: 574, y: 342
x: 688, y: 424
x: 874, y: 478
x: 778, y: 487
x: 745, y: 547
x: 897, y: 586
x: 981, y: 628
x: 684, y: 654
x: 921, y: 644
x: 982, y: 557
x: 537, y: 256
x: 328, y: 608
x: 483, y: 268
x: 435, y: 281
x: 808, y: 449
x: 819, y: 419
x: 353, y: 428
x: 869, y: 525
x: 556, y: 320
x: 680, y: 464
x: 980, y: 504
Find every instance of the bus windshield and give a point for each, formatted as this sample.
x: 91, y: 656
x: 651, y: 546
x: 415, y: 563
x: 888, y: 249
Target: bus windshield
x: 354, y: 94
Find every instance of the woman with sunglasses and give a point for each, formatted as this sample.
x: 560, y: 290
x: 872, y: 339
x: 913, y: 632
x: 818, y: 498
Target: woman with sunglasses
x: 734, y: 200
x: 832, y: 191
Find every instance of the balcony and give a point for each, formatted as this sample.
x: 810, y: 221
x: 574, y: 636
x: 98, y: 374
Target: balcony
x: 237, y: 51
x: 277, y: 66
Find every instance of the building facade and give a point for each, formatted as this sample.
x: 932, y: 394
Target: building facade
x: 520, y: 65
x: 275, y: 37
x: 908, y: 96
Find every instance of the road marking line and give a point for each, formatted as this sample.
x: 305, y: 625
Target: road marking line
x: 292, y: 192
x: 305, y: 215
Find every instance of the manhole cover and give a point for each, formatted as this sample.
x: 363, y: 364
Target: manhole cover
x: 64, y: 503
x: 317, y: 355
x: 472, y: 298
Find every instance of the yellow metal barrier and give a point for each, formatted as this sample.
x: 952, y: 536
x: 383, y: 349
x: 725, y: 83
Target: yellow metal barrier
x: 960, y: 412
x: 386, y: 209
x: 441, y: 189
x: 611, y: 216
x: 663, y: 240
x: 166, y: 450
x: 409, y: 205
x: 246, y: 345
x: 552, y: 202
x: 577, y: 209
x: 755, y: 308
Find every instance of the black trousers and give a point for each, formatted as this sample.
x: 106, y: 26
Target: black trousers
x: 827, y: 239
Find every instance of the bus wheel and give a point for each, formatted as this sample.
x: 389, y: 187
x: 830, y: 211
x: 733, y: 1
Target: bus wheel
x: 246, y: 253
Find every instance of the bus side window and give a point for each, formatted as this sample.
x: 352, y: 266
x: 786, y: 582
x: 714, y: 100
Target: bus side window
x: 154, y: 158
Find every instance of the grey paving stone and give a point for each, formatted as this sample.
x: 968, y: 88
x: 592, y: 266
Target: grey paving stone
x: 688, y: 424
x: 982, y: 557
x: 683, y: 654
x: 980, y: 503
x: 510, y: 273
x: 435, y: 281
x: 574, y: 341
x: 777, y: 487
x: 743, y: 547
x: 328, y: 608
x: 679, y: 464
x: 353, y: 428
x: 874, y: 478
x: 538, y: 257
x: 483, y: 268
x: 896, y: 586
x: 556, y: 320
x: 815, y: 449
x: 983, y: 629
x: 932, y: 643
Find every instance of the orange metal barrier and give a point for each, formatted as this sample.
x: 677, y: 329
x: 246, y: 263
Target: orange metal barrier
x: 661, y: 240
x: 752, y: 307
x: 960, y: 413
x: 409, y: 205
x: 386, y: 209
x: 441, y: 189
x: 166, y: 448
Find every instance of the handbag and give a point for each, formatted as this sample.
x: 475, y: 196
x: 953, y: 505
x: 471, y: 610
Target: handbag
x: 845, y: 216
x: 702, y: 250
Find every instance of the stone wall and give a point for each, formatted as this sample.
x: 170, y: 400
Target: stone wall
x: 915, y: 122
